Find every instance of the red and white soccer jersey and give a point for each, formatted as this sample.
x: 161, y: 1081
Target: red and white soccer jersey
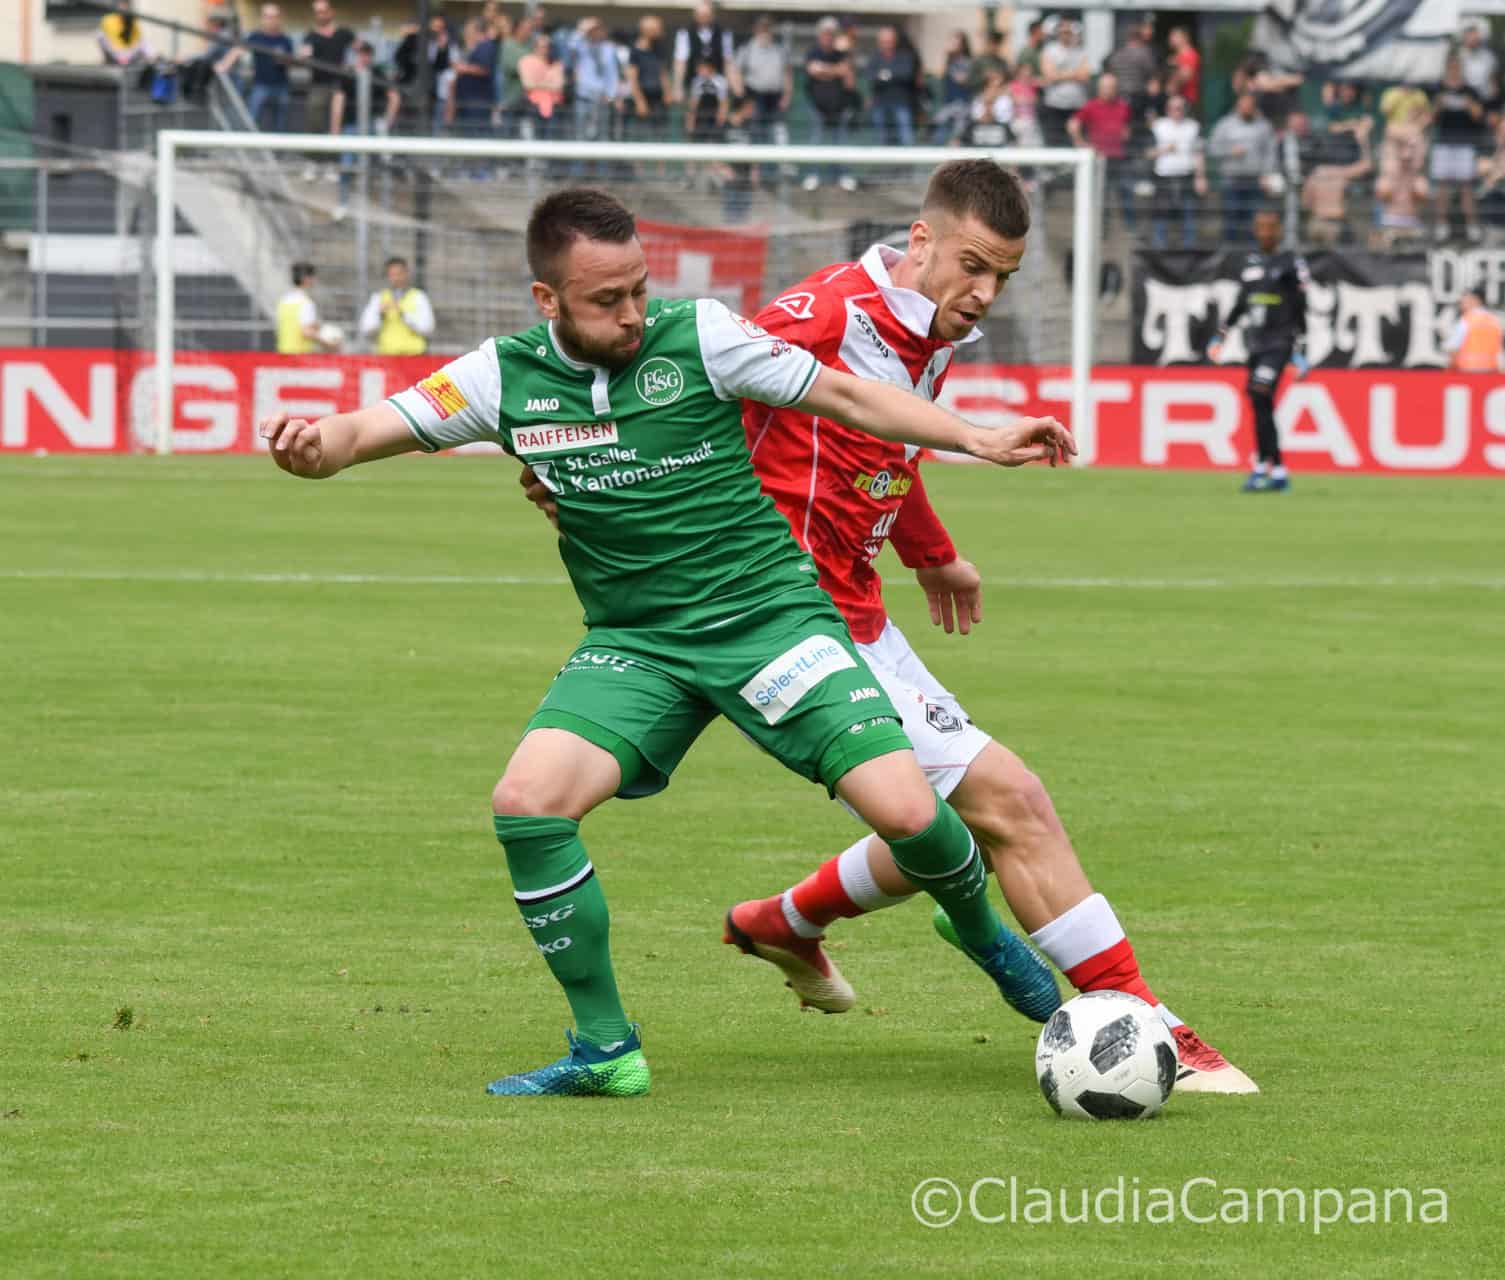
x: 846, y: 493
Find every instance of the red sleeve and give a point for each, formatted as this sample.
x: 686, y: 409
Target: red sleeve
x: 918, y: 535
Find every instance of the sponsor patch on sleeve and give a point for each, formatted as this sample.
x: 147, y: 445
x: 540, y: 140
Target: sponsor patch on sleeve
x: 776, y: 689
x: 442, y: 395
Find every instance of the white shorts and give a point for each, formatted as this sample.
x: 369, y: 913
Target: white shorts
x: 945, y: 741
x: 1452, y: 162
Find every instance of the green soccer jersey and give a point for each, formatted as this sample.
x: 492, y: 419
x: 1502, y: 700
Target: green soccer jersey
x: 664, y: 521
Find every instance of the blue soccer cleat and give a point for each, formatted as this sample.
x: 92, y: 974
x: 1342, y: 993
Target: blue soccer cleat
x: 1278, y: 484
x: 1023, y: 979
x: 1258, y: 482
x: 586, y: 1071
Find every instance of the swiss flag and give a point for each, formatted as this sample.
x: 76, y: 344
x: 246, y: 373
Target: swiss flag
x: 704, y: 262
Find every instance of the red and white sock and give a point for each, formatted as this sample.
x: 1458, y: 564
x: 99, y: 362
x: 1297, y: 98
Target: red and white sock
x: 1089, y: 946
x: 842, y: 886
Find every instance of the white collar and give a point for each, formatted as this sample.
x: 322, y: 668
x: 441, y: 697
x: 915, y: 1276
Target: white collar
x: 559, y: 351
x: 910, y: 308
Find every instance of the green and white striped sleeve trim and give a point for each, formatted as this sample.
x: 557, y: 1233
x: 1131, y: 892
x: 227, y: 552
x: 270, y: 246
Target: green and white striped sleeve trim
x: 458, y: 404
x: 743, y: 360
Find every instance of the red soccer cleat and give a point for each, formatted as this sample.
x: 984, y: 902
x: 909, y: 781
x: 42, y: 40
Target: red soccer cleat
x: 1204, y: 1069
x: 758, y: 928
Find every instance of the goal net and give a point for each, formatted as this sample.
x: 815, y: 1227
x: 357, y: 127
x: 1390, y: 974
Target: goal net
x: 743, y: 223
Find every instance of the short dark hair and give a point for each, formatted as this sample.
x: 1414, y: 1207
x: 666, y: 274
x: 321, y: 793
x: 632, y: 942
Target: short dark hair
x: 984, y: 190
x: 302, y: 271
x: 396, y: 260
x: 577, y: 213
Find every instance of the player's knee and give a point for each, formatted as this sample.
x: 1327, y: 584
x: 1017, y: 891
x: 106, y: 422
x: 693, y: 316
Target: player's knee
x: 516, y: 796
x: 905, y: 814
x: 1008, y: 808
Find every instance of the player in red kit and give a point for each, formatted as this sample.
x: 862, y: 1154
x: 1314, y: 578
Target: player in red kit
x: 898, y: 317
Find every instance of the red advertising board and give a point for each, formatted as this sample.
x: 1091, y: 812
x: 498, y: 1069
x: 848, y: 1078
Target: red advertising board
x: 1396, y: 421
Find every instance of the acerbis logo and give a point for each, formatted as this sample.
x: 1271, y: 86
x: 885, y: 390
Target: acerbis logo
x: 862, y: 695
x: 866, y: 326
x: 559, y: 944
x: 556, y: 916
x: 799, y: 306
x: 660, y: 382
x: 549, y: 405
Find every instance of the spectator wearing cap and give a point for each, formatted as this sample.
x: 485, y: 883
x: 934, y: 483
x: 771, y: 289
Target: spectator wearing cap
x: 1243, y: 146
x: 1065, y: 74
x: 830, y: 82
x: 767, y: 79
x: 1103, y: 123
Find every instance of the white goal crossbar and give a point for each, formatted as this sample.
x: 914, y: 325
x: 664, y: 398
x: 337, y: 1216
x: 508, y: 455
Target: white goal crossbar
x: 171, y: 143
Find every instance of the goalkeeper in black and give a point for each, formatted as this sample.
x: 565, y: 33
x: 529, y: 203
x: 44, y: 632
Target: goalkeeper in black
x: 1272, y: 303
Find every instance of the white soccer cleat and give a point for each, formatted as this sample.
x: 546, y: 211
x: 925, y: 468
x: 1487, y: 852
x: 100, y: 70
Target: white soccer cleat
x: 758, y: 928
x: 1203, y: 1069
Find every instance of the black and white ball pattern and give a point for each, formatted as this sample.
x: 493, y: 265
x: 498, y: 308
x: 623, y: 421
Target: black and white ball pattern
x: 1106, y: 1055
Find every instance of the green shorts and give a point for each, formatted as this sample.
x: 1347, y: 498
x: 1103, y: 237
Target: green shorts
x: 786, y: 674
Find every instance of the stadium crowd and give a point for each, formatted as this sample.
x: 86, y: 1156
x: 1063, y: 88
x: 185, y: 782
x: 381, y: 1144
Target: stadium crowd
x: 1355, y: 164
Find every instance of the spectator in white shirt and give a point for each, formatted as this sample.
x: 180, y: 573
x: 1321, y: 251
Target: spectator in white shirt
x: 1180, y: 173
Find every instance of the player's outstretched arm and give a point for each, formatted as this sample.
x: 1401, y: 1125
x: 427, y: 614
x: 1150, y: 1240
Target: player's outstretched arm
x: 890, y: 413
x: 317, y: 450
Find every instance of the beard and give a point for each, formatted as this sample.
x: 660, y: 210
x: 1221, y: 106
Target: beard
x: 581, y: 348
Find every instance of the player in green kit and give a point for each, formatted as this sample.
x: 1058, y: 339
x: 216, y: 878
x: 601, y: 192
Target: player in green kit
x: 697, y: 600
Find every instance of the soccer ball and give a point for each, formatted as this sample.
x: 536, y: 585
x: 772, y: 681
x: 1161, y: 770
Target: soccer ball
x: 1106, y: 1055
x: 331, y: 335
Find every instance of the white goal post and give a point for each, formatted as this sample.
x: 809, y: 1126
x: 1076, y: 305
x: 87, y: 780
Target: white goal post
x: 272, y: 156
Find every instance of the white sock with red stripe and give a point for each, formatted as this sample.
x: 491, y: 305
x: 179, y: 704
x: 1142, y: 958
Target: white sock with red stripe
x: 1089, y: 946
x: 841, y: 886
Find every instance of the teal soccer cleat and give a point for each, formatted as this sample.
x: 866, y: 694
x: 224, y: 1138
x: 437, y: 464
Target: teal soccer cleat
x: 586, y: 1071
x: 1023, y: 979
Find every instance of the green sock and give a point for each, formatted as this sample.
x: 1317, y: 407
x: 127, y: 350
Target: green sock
x: 943, y: 860
x: 562, y: 904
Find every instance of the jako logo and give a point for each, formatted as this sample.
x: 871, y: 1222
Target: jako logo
x: 559, y: 944
x: 784, y: 681
x: 551, y: 405
x: 862, y: 695
x: 660, y: 381
x: 553, y: 917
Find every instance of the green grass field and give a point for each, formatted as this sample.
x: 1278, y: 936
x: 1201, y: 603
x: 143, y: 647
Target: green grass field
x: 258, y: 957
